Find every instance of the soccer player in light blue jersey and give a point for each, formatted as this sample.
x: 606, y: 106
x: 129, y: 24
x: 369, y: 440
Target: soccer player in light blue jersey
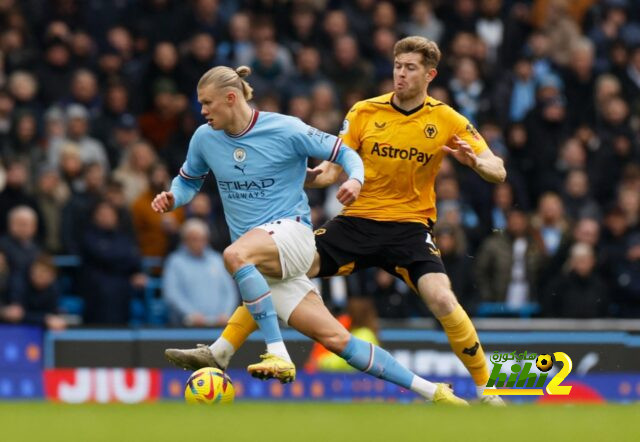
x: 259, y: 162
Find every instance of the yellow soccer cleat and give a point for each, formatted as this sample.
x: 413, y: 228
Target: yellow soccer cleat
x: 273, y: 367
x: 493, y: 400
x: 444, y: 395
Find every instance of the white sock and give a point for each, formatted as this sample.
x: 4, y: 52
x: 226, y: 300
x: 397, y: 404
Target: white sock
x: 479, y: 390
x: 423, y: 387
x: 222, y: 351
x: 278, y: 349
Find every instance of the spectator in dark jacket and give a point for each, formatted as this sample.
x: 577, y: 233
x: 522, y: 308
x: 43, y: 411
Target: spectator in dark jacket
x: 508, y: 263
x: 626, y: 279
x: 19, y: 245
x: 110, y: 268
x: 38, y: 303
x: 579, y: 292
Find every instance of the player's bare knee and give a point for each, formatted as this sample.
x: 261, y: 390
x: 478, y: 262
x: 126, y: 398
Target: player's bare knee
x: 233, y: 259
x: 442, y: 301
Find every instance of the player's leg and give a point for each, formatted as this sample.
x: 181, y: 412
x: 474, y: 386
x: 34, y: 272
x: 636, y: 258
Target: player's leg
x: 250, y: 257
x: 328, y: 259
x: 313, y: 319
x: 435, y: 290
x: 238, y: 328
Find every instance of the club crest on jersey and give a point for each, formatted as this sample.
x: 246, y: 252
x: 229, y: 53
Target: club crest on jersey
x: 239, y: 155
x: 430, y: 130
x: 472, y: 130
x: 345, y: 127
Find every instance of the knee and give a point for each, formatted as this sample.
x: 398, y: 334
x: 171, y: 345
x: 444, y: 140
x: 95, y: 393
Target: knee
x: 336, y: 341
x: 441, y: 301
x: 233, y: 258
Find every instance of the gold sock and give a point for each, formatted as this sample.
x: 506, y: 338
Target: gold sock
x: 239, y: 326
x: 465, y: 344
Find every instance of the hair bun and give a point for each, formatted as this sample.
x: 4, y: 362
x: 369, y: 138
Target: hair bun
x: 243, y: 71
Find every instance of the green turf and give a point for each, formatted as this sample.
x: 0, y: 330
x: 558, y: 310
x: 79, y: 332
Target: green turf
x: 257, y: 422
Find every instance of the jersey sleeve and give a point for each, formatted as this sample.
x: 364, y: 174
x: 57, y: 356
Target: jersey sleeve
x: 465, y: 130
x: 350, y: 131
x: 192, y: 173
x: 312, y: 142
x: 195, y: 167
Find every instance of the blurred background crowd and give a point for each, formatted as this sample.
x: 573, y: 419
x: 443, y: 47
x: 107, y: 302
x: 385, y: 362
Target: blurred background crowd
x: 98, y: 102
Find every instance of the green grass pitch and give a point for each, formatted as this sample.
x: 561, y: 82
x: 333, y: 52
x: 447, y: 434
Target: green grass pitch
x: 327, y: 422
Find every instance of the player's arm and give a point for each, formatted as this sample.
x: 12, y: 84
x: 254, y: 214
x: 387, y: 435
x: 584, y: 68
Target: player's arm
x: 314, y: 143
x: 323, y: 175
x: 188, y: 182
x: 489, y: 166
x: 353, y: 166
x: 469, y: 148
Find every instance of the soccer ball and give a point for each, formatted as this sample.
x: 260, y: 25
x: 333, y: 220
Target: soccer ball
x: 544, y: 363
x: 209, y: 386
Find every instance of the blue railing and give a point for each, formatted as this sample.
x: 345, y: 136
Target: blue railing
x: 148, y: 307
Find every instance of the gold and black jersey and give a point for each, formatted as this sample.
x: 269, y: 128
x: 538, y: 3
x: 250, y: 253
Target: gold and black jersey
x: 402, y: 153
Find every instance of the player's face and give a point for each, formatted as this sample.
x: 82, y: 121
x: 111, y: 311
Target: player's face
x: 215, y: 107
x: 410, y: 76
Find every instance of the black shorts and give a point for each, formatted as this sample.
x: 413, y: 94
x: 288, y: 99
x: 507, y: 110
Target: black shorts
x: 347, y: 244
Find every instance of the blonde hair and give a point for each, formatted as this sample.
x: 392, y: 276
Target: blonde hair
x: 429, y: 49
x: 224, y: 77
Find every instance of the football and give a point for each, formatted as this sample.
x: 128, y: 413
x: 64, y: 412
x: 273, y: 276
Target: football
x: 544, y: 363
x: 209, y: 386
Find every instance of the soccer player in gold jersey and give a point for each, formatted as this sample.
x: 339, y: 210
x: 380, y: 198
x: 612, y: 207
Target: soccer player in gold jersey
x: 402, y: 138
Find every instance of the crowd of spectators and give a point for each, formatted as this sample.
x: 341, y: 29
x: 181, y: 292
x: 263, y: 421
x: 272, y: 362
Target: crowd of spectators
x: 98, y: 102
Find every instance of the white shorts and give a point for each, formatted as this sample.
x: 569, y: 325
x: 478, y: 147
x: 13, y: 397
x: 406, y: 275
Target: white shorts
x: 288, y: 293
x: 296, y: 247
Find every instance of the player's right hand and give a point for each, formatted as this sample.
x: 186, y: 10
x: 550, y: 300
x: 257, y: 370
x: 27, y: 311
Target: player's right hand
x: 163, y: 202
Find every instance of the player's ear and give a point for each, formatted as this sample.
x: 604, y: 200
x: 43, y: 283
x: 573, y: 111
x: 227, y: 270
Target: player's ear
x: 231, y: 97
x: 431, y: 74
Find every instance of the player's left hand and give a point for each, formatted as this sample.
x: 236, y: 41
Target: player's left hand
x: 462, y: 152
x: 349, y: 191
x: 312, y: 174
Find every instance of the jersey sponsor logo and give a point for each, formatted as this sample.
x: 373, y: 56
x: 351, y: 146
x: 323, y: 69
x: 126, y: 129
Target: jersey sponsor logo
x: 412, y: 154
x: 247, y: 189
x: 345, y: 127
x: 430, y: 130
x: 239, y: 155
x: 472, y: 130
x: 228, y: 186
x: 380, y: 125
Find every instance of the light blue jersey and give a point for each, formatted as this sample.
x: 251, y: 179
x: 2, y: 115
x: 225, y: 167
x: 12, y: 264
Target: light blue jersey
x: 260, y: 172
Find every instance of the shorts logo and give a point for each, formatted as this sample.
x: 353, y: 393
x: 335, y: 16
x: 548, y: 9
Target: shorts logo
x: 320, y: 231
x: 432, y: 247
x: 345, y: 127
x: 430, y: 130
x: 239, y: 155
